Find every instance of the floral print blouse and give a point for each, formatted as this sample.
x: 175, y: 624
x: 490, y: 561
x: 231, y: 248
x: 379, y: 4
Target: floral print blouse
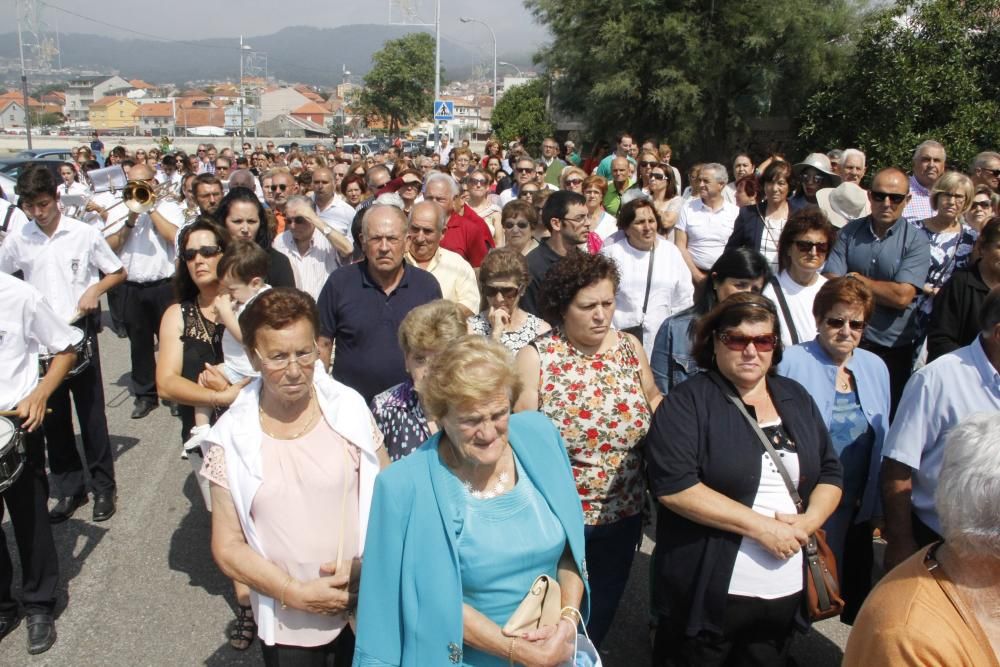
x: 598, y: 405
x: 401, y: 420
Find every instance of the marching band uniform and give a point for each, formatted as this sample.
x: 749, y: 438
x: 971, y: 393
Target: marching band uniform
x: 28, y: 324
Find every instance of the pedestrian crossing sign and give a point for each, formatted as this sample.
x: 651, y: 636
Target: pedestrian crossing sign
x: 444, y: 110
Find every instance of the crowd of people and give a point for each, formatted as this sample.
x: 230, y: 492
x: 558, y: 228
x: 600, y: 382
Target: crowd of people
x: 481, y: 372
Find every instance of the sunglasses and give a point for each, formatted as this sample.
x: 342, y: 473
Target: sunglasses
x: 508, y: 293
x: 527, y: 193
x: 815, y: 178
x: 995, y: 172
x: 839, y: 322
x: 520, y: 224
x: 206, y: 251
x: 222, y: 166
x: 299, y: 220
x: 648, y: 164
x: 738, y: 343
x: 985, y: 205
x: 411, y: 184
x: 894, y: 197
x: 574, y: 181
x: 657, y: 177
x: 280, y: 186
x: 822, y: 247
x: 478, y: 181
x: 525, y: 170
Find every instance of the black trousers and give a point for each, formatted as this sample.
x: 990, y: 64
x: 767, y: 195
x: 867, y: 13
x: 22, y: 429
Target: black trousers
x: 338, y: 653
x: 756, y: 633
x: 87, y: 390
x: 143, y: 306
x: 115, y: 307
x: 27, y: 503
x: 899, y: 361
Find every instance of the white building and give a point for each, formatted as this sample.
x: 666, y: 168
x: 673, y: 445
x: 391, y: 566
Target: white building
x: 279, y: 101
x: 83, y: 90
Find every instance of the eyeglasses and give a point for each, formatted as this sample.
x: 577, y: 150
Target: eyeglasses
x: 525, y: 170
x: 520, y: 224
x: 299, y: 220
x: 985, y: 205
x: 839, y: 322
x: 527, y: 194
x: 279, y: 187
x: 738, y: 343
x: 574, y: 181
x: 489, y: 291
x: 304, y: 360
x: 815, y: 178
x: 577, y: 220
x: 206, y: 251
x: 224, y: 167
x: 478, y: 181
x: 894, y: 197
x: 822, y: 247
x: 657, y: 177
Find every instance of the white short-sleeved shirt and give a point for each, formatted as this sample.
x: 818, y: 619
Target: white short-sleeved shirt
x: 62, y: 266
x: 312, y: 268
x: 340, y: 216
x: 117, y: 213
x: 147, y: 256
x: 935, y: 400
x: 28, y: 324
x: 73, y: 189
x: 707, y: 230
x: 800, y: 302
x: 16, y: 221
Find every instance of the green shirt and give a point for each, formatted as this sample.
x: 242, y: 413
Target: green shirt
x: 613, y: 198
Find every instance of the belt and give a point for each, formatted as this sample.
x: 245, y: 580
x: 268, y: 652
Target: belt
x: 151, y: 283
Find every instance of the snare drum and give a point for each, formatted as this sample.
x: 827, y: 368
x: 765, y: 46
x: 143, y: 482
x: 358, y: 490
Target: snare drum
x: 84, y: 349
x: 12, y: 453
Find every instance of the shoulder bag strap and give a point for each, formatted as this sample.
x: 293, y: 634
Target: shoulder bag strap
x: 785, y: 312
x: 649, y: 280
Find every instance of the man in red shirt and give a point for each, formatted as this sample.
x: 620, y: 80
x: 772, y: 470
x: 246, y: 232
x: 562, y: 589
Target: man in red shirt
x: 465, y: 232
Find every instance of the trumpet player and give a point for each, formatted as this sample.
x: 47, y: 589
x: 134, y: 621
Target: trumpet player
x: 61, y: 257
x: 145, y: 243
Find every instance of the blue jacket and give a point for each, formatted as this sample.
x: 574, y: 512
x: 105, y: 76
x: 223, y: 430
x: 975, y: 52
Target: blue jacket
x: 671, y: 360
x: 809, y: 364
x: 410, y: 604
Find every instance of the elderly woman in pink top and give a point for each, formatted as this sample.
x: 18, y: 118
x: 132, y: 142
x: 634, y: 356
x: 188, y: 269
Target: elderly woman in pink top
x: 292, y: 466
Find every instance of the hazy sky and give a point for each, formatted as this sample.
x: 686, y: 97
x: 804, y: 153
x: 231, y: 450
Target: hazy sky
x: 194, y: 19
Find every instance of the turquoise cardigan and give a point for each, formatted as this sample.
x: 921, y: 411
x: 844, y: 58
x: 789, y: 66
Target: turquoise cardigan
x: 410, y: 602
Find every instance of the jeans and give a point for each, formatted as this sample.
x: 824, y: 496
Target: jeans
x: 610, y: 549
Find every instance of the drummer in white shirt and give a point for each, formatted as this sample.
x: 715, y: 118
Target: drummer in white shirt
x: 29, y: 323
x: 62, y: 258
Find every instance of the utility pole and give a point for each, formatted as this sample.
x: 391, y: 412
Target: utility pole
x: 24, y: 73
x: 437, y: 69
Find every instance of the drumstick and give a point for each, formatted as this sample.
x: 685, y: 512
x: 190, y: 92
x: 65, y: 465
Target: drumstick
x: 14, y: 413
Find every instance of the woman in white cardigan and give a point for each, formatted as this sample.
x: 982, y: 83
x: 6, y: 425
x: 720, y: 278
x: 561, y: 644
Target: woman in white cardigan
x: 292, y: 466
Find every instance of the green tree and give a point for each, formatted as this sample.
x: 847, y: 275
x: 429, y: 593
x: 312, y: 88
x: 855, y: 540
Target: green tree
x: 400, y: 86
x: 520, y: 114
x: 695, y: 72
x: 921, y: 70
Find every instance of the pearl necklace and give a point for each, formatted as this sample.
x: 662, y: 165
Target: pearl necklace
x: 498, y: 489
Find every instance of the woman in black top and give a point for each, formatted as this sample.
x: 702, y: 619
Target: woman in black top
x: 245, y: 218
x: 729, y: 571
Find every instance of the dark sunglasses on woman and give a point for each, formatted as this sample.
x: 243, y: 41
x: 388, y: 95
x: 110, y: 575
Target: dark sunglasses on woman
x: 206, y: 251
x: 738, y: 343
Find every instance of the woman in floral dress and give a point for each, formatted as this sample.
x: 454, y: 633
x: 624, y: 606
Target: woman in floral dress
x: 594, y: 382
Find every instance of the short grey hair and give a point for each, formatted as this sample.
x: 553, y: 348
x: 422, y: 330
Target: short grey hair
x: 835, y: 154
x: 983, y: 159
x: 853, y: 152
x: 397, y: 213
x: 301, y: 199
x: 440, y: 177
x: 721, y: 175
x: 967, y: 497
x: 390, y: 199
x: 442, y: 215
x: 930, y: 143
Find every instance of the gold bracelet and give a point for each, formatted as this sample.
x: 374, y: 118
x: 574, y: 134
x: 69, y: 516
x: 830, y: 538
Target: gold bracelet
x: 572, y: 614
x: 281, y: 598
x: 510, y: 652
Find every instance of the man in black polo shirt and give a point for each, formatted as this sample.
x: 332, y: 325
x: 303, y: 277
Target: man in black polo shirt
x: 565, y: 216
x: 361, y: 306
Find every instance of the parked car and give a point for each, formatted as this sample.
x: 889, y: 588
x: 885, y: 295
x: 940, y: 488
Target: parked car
x: 365, y: 148
x: 13, y: 166
x: 64, y: 154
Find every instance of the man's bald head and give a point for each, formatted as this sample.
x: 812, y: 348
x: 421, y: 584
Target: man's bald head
x: 141, y: 172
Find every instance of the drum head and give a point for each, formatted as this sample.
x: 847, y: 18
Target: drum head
x: 78, y: 335
x: 7, y: 431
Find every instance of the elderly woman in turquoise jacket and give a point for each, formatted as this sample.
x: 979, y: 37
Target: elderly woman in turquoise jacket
x: 461, y: 528
x: 851, y: 388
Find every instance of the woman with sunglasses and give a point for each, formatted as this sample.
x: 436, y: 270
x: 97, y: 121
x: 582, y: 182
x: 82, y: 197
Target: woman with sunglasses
x: 803, y: 247
x: 478, y: 183
x: 572, y: 179
x: 518, y: 220
x: 851, y: 390
x: 663, y: 193
x: 503, y: 277
x: 981, y: 209
x: 729, y: 570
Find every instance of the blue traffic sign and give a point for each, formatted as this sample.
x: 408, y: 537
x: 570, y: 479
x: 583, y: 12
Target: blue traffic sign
x: 444, y: 110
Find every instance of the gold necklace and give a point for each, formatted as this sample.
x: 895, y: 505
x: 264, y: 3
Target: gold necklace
x: 309, y: 424
x: 843, y: 385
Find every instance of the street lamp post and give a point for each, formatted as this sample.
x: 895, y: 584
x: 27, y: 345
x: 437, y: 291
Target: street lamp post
x: 437, y: 68
x: 507, y: 64
x: 466, y: 19
x: 243, y: 49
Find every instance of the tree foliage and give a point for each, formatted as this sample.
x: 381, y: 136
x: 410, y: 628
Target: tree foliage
x: 695, y: 72
x: 520, y: 114
x: 400, y: 86
x: 922, y: 70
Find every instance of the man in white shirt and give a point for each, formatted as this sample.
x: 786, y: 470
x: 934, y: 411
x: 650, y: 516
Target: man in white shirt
x: 145, y: 243
x: 335, y: 212
x: 455, y: 275
x: 312, y: 246
x: 29, y: 322
x: 705, y: 223
x: 444, y: 150
x: 62, y: 258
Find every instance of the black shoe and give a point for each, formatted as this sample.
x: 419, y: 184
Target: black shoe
x: 8, y: 623
x: 142, y: 407
x: 41, y: 633
x: 104, y: 505
x: 175, y: 410
x: 65, y: 507
x: 121, y: 333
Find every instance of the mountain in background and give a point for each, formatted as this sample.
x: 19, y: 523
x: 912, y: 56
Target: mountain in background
x: 298, y: 54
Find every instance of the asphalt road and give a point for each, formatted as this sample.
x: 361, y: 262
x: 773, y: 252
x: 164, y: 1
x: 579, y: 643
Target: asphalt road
x: 142, y: 589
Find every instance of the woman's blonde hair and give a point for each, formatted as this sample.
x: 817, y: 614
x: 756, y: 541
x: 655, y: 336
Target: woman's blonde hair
x: 472, y: 371
x: 432, y: 327
x: 953, y: 181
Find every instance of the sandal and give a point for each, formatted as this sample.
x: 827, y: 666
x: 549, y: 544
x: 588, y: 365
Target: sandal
x: 244, y: 630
